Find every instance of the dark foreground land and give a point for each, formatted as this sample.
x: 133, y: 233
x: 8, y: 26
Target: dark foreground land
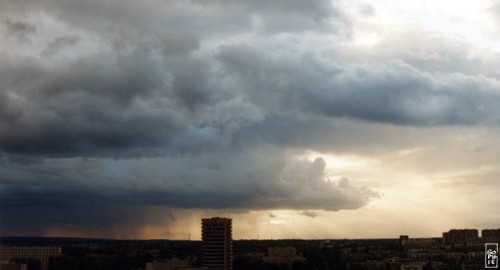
x: 382, y: 254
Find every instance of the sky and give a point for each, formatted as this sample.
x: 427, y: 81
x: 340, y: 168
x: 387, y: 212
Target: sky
x: 297, y: 119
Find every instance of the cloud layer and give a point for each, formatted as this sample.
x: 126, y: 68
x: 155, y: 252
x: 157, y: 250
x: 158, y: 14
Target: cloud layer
x: 107, y: 105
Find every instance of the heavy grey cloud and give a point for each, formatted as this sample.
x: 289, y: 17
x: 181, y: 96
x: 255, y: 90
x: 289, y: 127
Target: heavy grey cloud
x: 86, y: 105
x: 60, y: 43
x: 98, y: 188
x: 393, y: 92
x: 199, y: 104
x: 18, y: 29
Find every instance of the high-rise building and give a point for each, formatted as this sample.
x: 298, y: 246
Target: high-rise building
x: 216, y: 235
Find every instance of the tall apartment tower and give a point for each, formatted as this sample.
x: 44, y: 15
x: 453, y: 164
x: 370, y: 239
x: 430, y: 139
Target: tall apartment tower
x: 216, y: 235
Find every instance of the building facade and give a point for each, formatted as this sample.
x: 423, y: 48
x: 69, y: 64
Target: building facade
x: 216, y: 235
x: 41, y: 254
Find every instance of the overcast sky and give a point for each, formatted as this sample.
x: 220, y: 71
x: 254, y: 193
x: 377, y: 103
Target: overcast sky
x: 298, y: 119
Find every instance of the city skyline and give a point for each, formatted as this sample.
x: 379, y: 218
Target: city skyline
x: 322, y: 120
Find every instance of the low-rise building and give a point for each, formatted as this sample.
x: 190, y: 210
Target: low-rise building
x: 39, y: 253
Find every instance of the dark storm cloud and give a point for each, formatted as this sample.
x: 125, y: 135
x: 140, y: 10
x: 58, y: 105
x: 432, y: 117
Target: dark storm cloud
x: 153, y: 19
x: 60, y: 43
x: 290, y: 16
x: 132, y: 105
x: 393, y: 92
x: 261, y: 179
x: 96, y: 193
x: 188, y: 84
x: 18, y: 29
x: 85, y: 106
x: 33, y: 211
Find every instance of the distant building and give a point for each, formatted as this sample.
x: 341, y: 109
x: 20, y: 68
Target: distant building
x: 29, y: 253
x: 281, y: 252
x: 491, y: 235
x: 283, y: 255
x: 403, y: 239
x: 216, y: 235
x: 460, y: 237
x: 167, y: 265
x: 412, y: 266
x: 418, y: 243
x: 395, y: 263
x: 8, y: 265
x: 469, y: 237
